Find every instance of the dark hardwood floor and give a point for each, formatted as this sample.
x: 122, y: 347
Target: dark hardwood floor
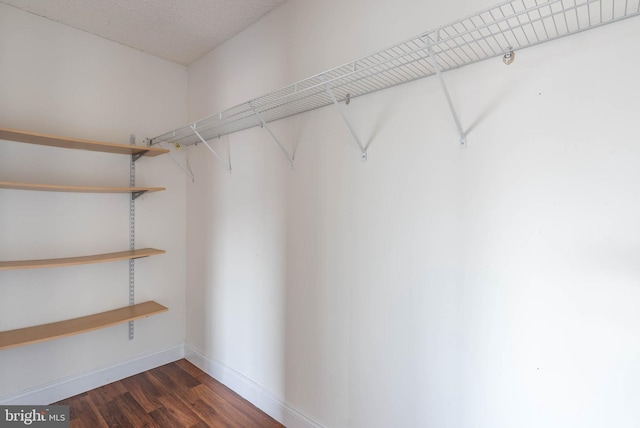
x: 174, y: 395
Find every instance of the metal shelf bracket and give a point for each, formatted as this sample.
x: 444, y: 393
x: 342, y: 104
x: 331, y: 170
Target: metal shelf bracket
x: 264, y: 125
x: 139, y: 155
x: 436, y: 66
x: 136, y: 195
x: 227, y: 167
x: 363, y: 149
x: 186, y: 170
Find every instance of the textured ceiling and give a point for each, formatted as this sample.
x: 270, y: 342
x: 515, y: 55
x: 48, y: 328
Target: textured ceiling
x: 177, y: 30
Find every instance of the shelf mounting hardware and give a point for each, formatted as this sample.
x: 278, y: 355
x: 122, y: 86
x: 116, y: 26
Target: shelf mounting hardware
x: 264, y: 125
x: 228, y: 167
x: 139, y: 155
x: 509, y: 56
x: 132, y: 230
x: 136, y: 195
x: 186, y: 170
x: 436, y: 67
x: 363, y: 149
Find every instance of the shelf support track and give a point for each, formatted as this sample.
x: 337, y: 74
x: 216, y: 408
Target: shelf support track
x: 436, y: 66
x: 264, y: 125
x: 227, y: 167
x: 363, y: 149
x: 132, y: 230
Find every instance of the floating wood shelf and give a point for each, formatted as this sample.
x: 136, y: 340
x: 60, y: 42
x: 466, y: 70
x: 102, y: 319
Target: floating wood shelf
x: 76, y: 189
x: 84, y: 260
x: 74, y: 143
x: 56, y: 330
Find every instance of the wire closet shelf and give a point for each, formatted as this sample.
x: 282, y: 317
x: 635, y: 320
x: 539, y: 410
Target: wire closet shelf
x: 496, y: 31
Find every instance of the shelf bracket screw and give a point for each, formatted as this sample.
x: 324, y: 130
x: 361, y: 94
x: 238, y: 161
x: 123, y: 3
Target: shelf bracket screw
x: 509, y: 56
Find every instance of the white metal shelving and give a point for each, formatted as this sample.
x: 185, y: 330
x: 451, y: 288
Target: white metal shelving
x: 496, y: 31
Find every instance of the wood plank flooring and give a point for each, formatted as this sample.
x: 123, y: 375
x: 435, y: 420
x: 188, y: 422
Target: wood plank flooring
x: 174, y: 395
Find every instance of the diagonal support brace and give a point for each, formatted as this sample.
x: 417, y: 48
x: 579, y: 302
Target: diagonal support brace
x: 186, y: 170
x: 265, y: 126
x: 363, y: 149
x: 136, y: 195
x: 227, y: 167
x: 137, y: 156
x: 438, y: 70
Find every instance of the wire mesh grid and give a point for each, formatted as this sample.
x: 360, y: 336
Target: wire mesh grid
x: 511, y: 25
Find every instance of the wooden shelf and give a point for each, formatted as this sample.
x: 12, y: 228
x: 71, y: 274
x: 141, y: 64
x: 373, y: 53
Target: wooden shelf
x: 74, y: 143
x: 43, y: 332
x: 76, y: 189
x: 56, y: 330
x: 84, y: 260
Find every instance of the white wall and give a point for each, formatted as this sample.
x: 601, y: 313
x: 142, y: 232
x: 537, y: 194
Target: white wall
x: 62, y: 81
x: 493, y: 286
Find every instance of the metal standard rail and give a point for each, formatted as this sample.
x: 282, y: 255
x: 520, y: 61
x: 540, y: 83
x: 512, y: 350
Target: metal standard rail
x: 496, y: 31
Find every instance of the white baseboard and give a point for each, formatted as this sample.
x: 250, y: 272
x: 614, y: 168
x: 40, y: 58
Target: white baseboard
x: 242, y: 385
x: 251, y: 391
x: 77, y: 384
